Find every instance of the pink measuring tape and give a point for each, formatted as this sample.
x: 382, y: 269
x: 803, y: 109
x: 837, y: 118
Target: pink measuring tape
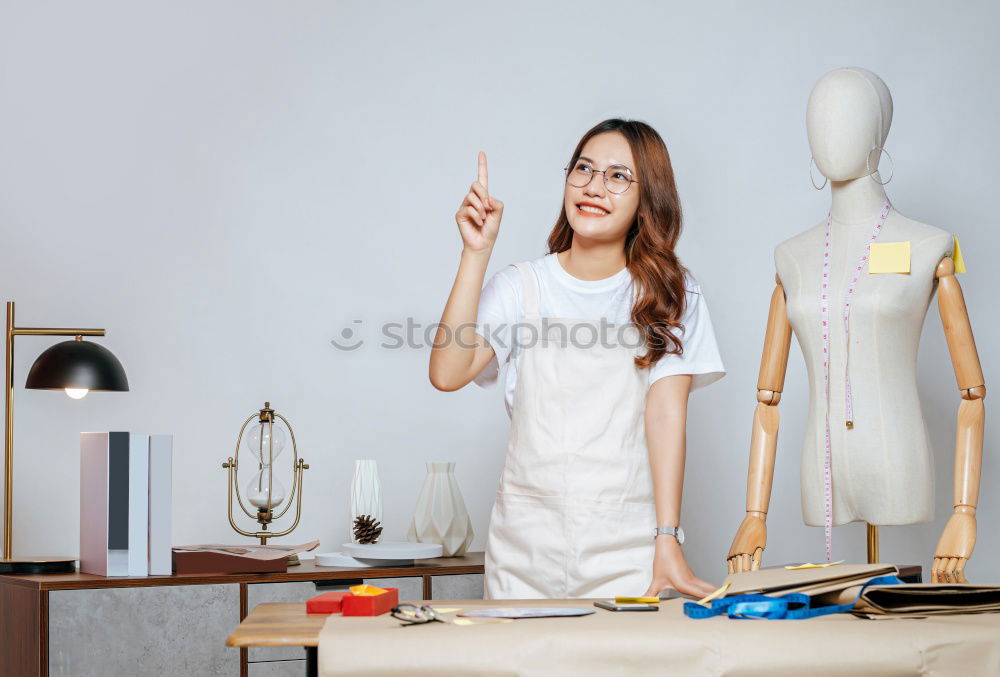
x: 824, y: 306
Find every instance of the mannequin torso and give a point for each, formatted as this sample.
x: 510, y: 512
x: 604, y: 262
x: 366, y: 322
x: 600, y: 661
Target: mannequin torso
x: 882, y: 468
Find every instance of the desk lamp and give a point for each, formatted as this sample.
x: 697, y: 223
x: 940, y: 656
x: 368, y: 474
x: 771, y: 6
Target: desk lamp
x: 75, y: 366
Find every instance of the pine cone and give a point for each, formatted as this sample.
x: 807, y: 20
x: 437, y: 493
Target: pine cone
x: 366, y: 529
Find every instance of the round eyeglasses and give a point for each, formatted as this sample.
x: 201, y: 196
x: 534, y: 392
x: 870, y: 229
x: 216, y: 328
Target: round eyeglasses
x: 617, y: 178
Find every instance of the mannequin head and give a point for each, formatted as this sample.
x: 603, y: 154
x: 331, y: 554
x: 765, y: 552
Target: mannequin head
x: 847, y: 121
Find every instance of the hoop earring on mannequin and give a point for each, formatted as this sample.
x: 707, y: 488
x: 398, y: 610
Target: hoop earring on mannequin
x: 811, y: 179
x: 868, y: 165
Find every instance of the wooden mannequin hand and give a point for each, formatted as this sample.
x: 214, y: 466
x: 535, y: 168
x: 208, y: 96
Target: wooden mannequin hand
x: 671, y: 570
x: 748, y: 545
x: 954, y: 548
x: 479, y: 215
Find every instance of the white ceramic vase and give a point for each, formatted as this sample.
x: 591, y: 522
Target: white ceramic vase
x: 440, y: 515
x: 366, y: 492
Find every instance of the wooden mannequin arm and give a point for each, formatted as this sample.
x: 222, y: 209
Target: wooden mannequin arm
x: 959, y: 536
x: 751, y: 538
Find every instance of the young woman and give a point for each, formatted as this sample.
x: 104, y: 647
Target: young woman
x: 603, y: 339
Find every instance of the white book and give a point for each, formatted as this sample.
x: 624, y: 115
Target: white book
x: 104, y: 503
x: 138, y: 505
x: 160, y: 487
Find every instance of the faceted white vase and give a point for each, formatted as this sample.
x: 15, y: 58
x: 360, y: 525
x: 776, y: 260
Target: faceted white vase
x: 440, y: 515
x: 366, y: 492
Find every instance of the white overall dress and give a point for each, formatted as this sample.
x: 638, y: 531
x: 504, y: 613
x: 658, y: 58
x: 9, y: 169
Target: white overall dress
x: 574, y: 515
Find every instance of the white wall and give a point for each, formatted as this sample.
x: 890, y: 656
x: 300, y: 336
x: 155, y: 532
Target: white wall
x: 225, y: 186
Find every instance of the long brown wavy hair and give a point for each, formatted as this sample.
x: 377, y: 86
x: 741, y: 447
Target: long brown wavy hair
x: 656, y: 271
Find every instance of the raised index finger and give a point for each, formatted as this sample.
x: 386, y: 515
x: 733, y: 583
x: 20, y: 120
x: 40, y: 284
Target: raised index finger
x: 482, y: 170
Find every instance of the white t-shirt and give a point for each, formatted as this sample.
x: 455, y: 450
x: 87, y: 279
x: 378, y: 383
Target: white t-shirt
x: 563, y: 296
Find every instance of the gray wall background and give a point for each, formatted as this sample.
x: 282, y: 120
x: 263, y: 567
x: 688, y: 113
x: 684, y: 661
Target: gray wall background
x: 227, y: 185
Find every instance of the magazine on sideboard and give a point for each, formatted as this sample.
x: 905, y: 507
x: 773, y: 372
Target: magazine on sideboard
x: 232, y: 559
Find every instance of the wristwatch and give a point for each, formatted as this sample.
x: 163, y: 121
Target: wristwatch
x: 676, y: 532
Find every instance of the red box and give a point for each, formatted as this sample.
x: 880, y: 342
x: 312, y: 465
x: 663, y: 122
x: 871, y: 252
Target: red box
x: 370, y: 605
x: 327, y: 603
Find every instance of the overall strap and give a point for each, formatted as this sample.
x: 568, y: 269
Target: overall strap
x: 530, y: 289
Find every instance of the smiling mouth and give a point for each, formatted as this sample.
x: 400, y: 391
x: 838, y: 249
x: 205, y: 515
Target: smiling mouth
x: 590, y: 210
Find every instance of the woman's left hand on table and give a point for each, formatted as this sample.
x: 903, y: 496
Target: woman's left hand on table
x: 671, y: 570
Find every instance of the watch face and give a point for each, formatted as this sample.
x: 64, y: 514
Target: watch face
x: 680, y: 535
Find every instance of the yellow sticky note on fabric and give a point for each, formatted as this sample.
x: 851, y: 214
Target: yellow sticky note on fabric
x: 810, y: 565
x: 705, y: 601
x: 956, y: 256
x: 889, y: 257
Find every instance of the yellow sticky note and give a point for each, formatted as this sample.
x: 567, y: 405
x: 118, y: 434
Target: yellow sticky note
x: 956, y: 256
x: 810, y: 565
x: 637, y: 600
x: 889, y: 257
x: 704, y: 601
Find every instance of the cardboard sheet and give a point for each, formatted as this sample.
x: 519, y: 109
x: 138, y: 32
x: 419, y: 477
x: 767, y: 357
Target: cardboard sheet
x: 779, y: 580
x: 928, y: 599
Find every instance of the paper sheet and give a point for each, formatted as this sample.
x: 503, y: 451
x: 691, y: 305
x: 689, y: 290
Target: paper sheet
x: 657, y: 643
x: 251, y: 550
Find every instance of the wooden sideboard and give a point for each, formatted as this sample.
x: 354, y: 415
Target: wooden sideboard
x: 55, y: 624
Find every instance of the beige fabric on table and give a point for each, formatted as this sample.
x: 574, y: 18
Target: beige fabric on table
x: 660, y: 643
x: 574, y: 515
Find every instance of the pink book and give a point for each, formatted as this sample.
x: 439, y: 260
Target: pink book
x: 104, y: 503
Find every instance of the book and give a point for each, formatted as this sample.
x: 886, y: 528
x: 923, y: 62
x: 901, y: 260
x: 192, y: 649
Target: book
x: 138, y: 504
x: 160, y: 488
x: 104, y: 479
x: 125, y: 525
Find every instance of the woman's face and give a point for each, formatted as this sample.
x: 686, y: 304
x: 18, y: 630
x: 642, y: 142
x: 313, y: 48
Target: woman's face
x: 594, y: 211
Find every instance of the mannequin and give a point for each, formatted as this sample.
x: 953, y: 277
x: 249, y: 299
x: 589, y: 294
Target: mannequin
x: 881, y: 467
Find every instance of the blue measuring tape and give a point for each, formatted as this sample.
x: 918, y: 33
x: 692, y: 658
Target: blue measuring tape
x: 792, y: 606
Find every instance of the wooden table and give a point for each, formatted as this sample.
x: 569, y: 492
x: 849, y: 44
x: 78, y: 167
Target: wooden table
x: 281, y: 625
x: 24, y: 600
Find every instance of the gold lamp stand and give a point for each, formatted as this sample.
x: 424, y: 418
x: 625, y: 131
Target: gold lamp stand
x: 872, y: 543
x: 76, y: 367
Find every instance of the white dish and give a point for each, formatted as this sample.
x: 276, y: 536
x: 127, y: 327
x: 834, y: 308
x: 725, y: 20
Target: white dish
x: 339, y: 559
x: 388, y: 554
x: 393, y: 550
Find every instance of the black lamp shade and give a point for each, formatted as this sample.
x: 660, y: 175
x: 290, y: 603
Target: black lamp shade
x: 77, y: 364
